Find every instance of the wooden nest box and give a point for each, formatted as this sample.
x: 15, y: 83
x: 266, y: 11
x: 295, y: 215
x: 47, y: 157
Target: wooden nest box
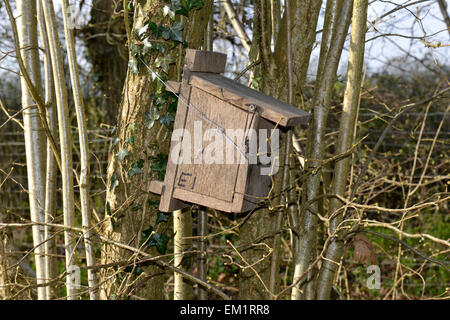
x: 211, y: 107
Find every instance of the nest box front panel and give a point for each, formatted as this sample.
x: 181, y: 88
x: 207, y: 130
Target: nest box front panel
x: 212, y: 104
x: 210, y: 162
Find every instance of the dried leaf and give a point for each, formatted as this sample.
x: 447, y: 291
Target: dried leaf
x: 221, y: 277
x: 363, y: 250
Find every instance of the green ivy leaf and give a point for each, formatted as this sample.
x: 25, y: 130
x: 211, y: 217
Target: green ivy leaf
x: 158, y: 164
x: 176, y: 33
x: 160, y: 100
x: 137, y: 207
x: 154, y: 203
x: 168, y: 12
x: 180, y: 8
x: 133, y: 65
x: 142, y: 30
x: 164, y: 62
x: 167, y: 120
x: 147, y: 46
x: 162, y: 217
x: 154, y: 29
x: 195, y: 4
x: 172, y: 108
x: 160, y: 47
x: 150, y: 117
x: 130, y: 140
x: 183, y: 11
x: 122, y: 154
x: 115, y: 141
x: 159, y: 241
x: 136, y: 168
x: 165, y: 33
x: 114, y: 183
x: 146, y: 234
x: 183, y: 7
x: 135, y: 171
x: 136, y: 270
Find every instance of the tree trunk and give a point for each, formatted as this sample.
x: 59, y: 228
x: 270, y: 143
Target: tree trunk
x: 328, y: 64
x: 35, y: 143
x: 51, y: 166
x: 4, y: 279
x: 65, y: 139
x: 443, y: 7
x: 182, y: 228
x: 273, y: 75
x: 105, y: 39
x: 84, y: 147
x: 335, y: 249
x: 139, y: 144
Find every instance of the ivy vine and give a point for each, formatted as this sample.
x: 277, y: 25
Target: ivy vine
x: 155, y: 45
x: 158, y: 40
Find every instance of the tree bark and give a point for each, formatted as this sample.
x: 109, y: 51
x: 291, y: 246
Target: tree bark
x: 123, y: 224
x: 65, y: 138
x: 315, y: 150
x: 84, y: 147
x: 443, y: 7
x: 335, y: 249
x: 273, y: 74
x: 182, y: 228
x: 202, y: 225
x: 105, y: 39
x: 51, y: 165
x: 237, y: 25
x: 35, y: 143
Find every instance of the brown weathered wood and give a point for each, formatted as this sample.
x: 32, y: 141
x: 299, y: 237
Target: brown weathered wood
x: 167, y: 203
x: 215, y: 180
x: 176, y: 204
x: 257, y: 185
x: 156, y: 187
x: 173, y: 86
x: 205, y: 61
x: 203, y: 200
x: 242, y: 96
x: 220, y: 105
x: 242, y: 177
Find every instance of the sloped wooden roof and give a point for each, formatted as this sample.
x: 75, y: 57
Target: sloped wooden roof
x: 243, y: 96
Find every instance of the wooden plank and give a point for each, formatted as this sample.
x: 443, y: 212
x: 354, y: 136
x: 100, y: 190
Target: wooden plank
x: 176, y: 204
x: 203, y: 200
x: 173, y: 86
x: 242, y: 97
x: 258, y: 186
x: 168, y: 203
x: 242, y: 176
x: 205, y: 61
x: 216, y: 180
x: 156, y: 187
